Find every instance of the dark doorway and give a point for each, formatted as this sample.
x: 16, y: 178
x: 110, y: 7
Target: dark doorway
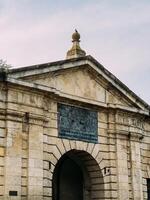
x: 73, y: 177
x: 69, y: 180
x: 148, y: 188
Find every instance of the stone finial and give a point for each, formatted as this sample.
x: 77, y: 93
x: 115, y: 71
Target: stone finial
x: 75, y: 51
x: 76, y: 36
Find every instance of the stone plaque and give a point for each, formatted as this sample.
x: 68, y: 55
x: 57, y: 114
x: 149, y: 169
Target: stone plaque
x: 77, y: 123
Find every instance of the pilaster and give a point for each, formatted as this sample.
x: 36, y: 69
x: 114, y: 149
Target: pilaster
x: 13, y: 159
x: 122, y: 167
x: 136, y: 171
x: 35, y: 161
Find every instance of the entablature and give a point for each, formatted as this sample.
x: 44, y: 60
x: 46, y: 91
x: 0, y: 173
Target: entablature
x: 57, y: 94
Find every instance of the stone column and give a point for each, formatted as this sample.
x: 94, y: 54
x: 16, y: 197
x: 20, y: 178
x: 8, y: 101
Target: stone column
x: 136, y: 172
x: 35, y: 159
x: 13, y: 160
x: 2, y: 155
x: 122, y: 167
x: 2, y: 140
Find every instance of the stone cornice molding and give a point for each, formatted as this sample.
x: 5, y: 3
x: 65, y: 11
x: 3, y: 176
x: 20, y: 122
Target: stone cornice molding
x: 20, y: 115
x: 59, y: 94
x: 127, y: 135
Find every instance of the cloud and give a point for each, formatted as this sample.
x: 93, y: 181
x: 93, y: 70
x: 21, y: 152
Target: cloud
x: 116, y: 33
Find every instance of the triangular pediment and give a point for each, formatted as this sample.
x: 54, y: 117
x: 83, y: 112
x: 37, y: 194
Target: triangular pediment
x: 80, y: 82
x: 82, y: 78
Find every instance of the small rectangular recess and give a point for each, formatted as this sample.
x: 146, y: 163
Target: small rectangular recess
x: 13, y: 193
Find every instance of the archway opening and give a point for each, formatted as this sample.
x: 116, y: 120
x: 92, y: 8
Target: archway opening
x: 77, y: 176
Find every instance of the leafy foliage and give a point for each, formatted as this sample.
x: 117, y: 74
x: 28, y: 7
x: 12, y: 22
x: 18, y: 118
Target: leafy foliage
x: 4, y: 67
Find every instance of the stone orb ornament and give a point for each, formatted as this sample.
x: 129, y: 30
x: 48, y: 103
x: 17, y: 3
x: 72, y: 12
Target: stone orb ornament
x: 76, y: 36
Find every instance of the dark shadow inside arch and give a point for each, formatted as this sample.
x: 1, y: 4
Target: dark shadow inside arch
x: 77, y: 176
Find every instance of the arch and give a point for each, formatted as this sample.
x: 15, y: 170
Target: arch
x: 62, y: 146
x: 93, y: 187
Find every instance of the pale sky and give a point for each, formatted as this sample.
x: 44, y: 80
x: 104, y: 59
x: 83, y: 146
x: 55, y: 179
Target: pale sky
x: 115, y: 32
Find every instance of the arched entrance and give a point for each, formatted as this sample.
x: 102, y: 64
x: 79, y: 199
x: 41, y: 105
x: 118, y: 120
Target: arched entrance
x: 70, y: 180
x: 77, y: 176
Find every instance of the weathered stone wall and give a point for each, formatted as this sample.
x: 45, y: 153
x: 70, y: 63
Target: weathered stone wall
x: 145, y: 157
x: 22, y: 137
x: 2, y: 138
x: 30, y: 147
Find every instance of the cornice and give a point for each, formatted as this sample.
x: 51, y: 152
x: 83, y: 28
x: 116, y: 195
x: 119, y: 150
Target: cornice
x: 60, y: 94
